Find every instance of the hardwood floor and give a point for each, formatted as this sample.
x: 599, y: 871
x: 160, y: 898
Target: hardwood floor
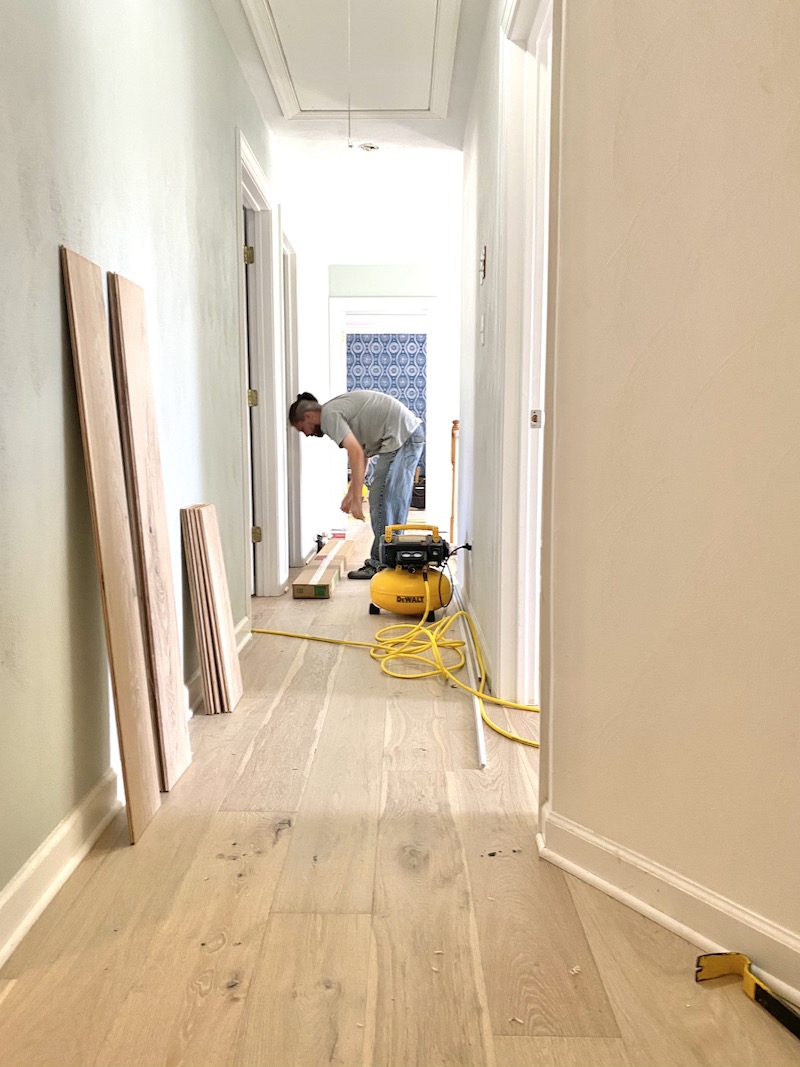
x: 333, y: 881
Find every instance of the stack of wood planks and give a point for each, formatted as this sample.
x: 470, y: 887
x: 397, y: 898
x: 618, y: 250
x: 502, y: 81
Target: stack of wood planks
x: 211, y: 606
x: 130, y: 533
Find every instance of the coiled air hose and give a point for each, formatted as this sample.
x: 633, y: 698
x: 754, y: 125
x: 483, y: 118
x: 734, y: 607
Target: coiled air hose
x: 426, y: 645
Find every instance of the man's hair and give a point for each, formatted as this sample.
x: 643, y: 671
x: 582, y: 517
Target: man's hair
x: 305, y: 402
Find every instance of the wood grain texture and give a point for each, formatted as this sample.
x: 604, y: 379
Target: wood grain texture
x: 561, y: 1052
x: 664, y: 1015
x: 122, y: 608
x: 331, y: 862
x: 220, y: 604
x: 210, y: 633
x: 425, y: 994
x: 541, y: 978
x: 206, y: 949
x: 307, y: 999
x: 212, y: 702
x: 275, y: 767
x: 142, y: 457
x: 6, y: 985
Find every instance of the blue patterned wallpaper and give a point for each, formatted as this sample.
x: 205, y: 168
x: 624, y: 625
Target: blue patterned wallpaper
x: 393, y: 363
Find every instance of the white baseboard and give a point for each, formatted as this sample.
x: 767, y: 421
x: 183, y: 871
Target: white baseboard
x: 692, y: 911
x: 465, y: 605
x: 32, y: 888
x: 242, y: 633
x: 194, y: 687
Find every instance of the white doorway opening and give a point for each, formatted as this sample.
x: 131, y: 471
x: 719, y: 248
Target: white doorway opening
x: 403, y: 315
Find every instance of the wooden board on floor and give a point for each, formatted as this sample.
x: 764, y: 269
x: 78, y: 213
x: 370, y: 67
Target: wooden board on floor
x: 207, y: 946
x: 330, y: 866
x: 220, y: 604
x: 288, y: 738
x: 541, y: 978
x: 307, y: 998
x: 425, y: 987
x: 142, y: 456
x: 561, y: 1052
x: 112, y: 532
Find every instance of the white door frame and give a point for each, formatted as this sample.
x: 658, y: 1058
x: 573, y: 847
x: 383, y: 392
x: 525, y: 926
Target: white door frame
x: 294, y: 461
x: 267, y: 375
x: 524, y: 211
x: 407, y: 314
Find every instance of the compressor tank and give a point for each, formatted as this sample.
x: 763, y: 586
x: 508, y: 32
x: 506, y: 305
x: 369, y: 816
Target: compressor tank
x: 403, y: 592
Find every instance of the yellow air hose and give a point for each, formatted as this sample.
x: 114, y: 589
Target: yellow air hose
x: 413, y: 642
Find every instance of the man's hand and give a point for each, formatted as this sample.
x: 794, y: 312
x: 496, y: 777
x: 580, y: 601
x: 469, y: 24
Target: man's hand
x: 353, y: 505
x: 353, y: 502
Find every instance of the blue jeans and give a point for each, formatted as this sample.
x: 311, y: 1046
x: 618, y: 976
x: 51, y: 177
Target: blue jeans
x: 391, y: 489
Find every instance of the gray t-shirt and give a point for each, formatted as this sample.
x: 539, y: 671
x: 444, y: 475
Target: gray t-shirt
x: 378, y: 422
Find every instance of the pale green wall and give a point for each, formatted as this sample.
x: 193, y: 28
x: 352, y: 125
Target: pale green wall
x: 117, y: 138
x: 383, y: 280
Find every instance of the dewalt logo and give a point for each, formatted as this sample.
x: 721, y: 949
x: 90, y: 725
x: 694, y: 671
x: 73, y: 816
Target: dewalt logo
x: 411, y: 600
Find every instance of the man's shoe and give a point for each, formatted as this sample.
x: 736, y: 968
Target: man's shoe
x: 366, y: 572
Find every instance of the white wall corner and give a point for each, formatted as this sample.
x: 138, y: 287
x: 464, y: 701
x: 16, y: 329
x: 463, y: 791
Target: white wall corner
x: 692, y: 911
x: 29, y: 892
x: 194, y: 693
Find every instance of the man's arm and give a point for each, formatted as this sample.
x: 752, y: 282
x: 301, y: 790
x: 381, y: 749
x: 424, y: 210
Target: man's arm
x: 352, y: 502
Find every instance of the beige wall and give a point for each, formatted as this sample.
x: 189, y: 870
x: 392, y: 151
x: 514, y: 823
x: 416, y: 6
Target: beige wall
x: 673, y: 565
x: 118, y: 139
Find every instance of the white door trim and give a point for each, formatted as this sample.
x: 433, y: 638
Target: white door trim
x: 267, y: 374
x: 523, y: 213
x: 294, y: 460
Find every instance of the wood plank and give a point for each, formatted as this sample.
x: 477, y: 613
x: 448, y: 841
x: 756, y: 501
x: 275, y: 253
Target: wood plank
x: 425, y: 983
x: 222, y: 616
x: 276, y: 765
x: 664, y: 1015
x: 6, y: 985
x: 331, y: 862
x: 205, y: 950
x: 198, y: 601
x: 561, y: 1052
x: 307, y: 998
x: 112, y: 534
x: 208, y: 635
x: 142, y: 456
x: 541, y: 978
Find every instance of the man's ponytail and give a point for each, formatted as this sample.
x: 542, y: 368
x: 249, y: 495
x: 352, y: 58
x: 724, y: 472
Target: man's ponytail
x: 305, y: 402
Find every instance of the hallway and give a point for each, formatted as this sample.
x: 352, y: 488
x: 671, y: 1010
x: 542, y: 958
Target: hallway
x: 333, y: 881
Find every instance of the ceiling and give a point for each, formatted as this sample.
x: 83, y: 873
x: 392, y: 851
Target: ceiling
x: 387, y: 73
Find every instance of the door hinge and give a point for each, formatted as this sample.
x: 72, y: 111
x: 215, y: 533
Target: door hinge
x: 252, y: 398
x: 255, y: 535
x: 249, y: 254
x: 537, y: 419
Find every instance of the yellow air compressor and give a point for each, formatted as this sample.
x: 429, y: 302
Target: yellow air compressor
x: 411, y: 554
